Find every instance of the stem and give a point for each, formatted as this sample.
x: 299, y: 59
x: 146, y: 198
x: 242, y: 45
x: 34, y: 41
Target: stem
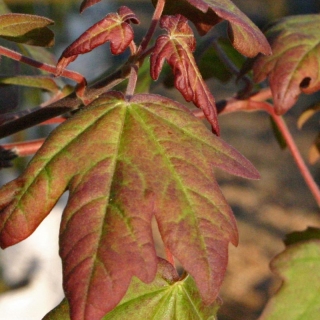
x: 23, y: 149
x: 169, y: 256
x: 75, y: 76
x: 132, y: 82
x: 155, y: 19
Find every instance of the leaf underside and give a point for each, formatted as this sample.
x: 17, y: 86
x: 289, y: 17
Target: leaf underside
x: 166, y: 297
x: 244, y: 34
x: 294, y: 66
x: 298, y: 298
x: 124, y: 162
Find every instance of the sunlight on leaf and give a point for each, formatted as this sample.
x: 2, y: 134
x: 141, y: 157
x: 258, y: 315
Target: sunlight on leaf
x: 114, y: 27
x: 166, y: 297
x: 294, y: 66
x: 244, y: 34
x: 176, y: 47
x: 27, y: 29
x: 298, y: 298
x: 123, y: 163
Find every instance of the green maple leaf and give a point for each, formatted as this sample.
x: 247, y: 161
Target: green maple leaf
x: 298, y: 266
x: 166, y: 297
x: 294, y: 66
x: 123, y: 163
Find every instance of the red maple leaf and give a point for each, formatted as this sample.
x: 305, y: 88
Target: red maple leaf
x: 176, y: 47
x: 114, y: 27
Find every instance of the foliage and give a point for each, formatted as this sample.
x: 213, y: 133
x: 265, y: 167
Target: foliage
x: 126, y: 157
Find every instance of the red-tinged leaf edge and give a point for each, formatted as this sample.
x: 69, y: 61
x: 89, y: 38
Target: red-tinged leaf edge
x: 114, y: 27
x: 177, y: 49
x: 87, y: 3
x: 294, y: 67
x: 205, y: 14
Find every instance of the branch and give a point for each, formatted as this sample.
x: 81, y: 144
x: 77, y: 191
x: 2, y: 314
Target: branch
x: 257, y: 103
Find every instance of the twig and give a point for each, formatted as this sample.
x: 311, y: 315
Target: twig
x: 23, y: 149
x: 155, y: 19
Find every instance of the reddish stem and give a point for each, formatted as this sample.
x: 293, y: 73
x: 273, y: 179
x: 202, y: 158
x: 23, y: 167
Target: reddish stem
x: 24, y: 149
x: 257, y: 103
x: 155, y: 19
x: 75, y: 76
x: 169, y: 256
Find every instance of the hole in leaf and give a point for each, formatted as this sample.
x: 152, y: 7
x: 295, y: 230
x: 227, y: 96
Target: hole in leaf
x: 305, y: 82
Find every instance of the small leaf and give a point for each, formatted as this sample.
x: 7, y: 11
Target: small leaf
x: 114, y: 27
x: 244, y: 34
x: 27, y: 29
x: 41, y: 82
x: 166, y: 297
x: 124, y: 162
x: 307, y: 114
x: 87, y: 3
x: 298, y: 298
x: 294, y: 66
x: 176, y: 47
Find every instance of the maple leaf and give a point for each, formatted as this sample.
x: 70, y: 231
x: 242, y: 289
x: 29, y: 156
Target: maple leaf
x: 114, y: 27
x: 176, y: 47
x: 298, y: 267
x: 124, y: 162
x: 294, y: 66
x: 244, y: 34
x: 167, y: 297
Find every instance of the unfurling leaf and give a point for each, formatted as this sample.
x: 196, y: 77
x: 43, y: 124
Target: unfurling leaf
x: 176, y: 47
x: 124, y: 162
x: 27, y: 29
x: 114, y: 27
x: 298, y: 298
x: 294, y: 66
x: 244, y: 34
x: 87, y: 3
x: 166, y: 297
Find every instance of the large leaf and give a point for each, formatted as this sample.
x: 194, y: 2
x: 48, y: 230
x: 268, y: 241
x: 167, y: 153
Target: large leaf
x: 124, y: 162
x: 245, y: 36
x: 166, y: 297
x: 176, y: 47
x: 298, y: 298
x: 27, y: 29
x: 114, y: 27
x: 294, y: 66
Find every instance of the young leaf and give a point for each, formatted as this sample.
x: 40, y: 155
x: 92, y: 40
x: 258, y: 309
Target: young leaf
x: 27, y: 29
x: 166, y: 297
x: 114, y: 27
x: 294, y: 66
x: 87, y: 3
x: 298, y: 297
x: 244, y: 34
x: 176, y: 47
x: 124, y: 162
x: 41, y: 82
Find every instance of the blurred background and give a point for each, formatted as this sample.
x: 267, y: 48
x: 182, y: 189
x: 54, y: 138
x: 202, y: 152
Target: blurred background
x: 266, y: 210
